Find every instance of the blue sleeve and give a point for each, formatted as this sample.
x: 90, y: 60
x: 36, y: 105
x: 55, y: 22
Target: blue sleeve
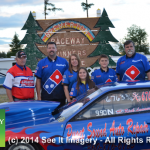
x: 146, y: 63
x: 38, y: 71
x: 118, y: 67
x: 73, y: 92
x: 65, y: 78
x: 93, y: 77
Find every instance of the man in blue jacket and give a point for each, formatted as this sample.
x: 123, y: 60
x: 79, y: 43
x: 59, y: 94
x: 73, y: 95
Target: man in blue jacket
x: 132, y: 66
x: 49, y: 73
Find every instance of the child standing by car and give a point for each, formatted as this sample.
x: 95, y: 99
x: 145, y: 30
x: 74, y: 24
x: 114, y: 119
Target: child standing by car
x: 83, y: 83
x: 104, y: 74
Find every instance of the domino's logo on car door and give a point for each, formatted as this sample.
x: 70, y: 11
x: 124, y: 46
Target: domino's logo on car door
x: 53, y: 81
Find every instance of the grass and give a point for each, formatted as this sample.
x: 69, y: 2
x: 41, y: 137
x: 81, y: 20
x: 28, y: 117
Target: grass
x: 3, y: 98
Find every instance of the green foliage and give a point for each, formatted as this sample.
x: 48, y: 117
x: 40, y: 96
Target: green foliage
x: 104, y: 49
x: 50, y: 9
x: 121, y: 48
x: 103, y: 37
x: 15, y: 46
x: 139, y: 37
x: 86, y: 6
x: 3, y: 55
x: 104, y: 22
x: 31, y: 25
x: 31, y: 37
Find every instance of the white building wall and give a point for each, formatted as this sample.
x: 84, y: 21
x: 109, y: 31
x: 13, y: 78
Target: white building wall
x: 5, y: 64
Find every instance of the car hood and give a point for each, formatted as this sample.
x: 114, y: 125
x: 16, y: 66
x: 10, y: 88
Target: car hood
x: 27, y: 113
x: 42, y: 132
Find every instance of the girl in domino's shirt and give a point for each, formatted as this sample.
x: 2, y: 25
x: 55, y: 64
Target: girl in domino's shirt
x: 83, y: 83
x: 70, y: 75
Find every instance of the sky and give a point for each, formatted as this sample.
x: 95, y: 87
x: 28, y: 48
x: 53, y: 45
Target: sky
x: 122, y: 13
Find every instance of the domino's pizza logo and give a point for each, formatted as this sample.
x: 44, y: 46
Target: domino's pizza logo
x: 108, y: 80
x: 131, y: 73
x: 53, y: 81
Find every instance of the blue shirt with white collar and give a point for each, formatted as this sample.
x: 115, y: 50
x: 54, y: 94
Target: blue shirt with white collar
x: 132, y: 68
x: 82, y: 89
x: 100, y: 76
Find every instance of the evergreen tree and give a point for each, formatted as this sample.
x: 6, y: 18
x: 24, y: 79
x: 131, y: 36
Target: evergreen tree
x: 31, y: 37
x: 103, y: 37
x: 15, y: 46
x: 3, y: 55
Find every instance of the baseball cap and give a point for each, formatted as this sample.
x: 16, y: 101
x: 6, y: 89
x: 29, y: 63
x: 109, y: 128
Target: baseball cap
x: 20, y: 54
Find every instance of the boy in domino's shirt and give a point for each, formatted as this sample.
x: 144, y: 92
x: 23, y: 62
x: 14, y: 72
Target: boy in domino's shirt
x: 132, y: 66
x: 104, y: 74
x: 19, y: 81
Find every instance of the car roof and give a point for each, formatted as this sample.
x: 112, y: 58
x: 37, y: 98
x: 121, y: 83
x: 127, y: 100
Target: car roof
x: 123, y: 85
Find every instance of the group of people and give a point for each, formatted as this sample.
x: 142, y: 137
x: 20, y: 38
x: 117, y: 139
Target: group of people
x: 56, y: 80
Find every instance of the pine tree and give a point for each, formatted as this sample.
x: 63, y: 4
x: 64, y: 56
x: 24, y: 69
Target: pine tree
x: 103, y: 37
x: 31, y: 37
x: 3, y: 55
x: 14, y: 46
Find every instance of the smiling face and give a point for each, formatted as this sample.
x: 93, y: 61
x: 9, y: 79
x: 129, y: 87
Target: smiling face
x: 104, y: 62
x: 74, y: 61
x: 129, y: 49
x: 51, y: 50
x: 82, y: 74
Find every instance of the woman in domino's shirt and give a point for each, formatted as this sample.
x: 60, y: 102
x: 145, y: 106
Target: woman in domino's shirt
x: 83, y: 83
x: 70, y: 75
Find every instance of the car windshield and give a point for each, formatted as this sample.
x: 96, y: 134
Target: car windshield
x: 90, y: 94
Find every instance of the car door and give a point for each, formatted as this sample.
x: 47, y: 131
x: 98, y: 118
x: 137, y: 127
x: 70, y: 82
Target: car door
x: 118, y: 119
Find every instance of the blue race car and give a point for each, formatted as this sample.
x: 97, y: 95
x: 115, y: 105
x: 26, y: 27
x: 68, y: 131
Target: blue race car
x: 114, y: 116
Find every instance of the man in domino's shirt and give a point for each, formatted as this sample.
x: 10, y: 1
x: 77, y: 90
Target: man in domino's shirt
x: 19, y: 81
x: 49, y: 73
x: 132, y: 66
x: 104, y: 74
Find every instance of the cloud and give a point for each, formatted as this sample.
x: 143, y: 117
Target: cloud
x: 114, y: 19
x: 30, y: 2
x: 3, y: 42
x: 4, y: 48
x: 118, y: 2
x: 5, y: 38
x: 15, y: 21
x: 20, y: 2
